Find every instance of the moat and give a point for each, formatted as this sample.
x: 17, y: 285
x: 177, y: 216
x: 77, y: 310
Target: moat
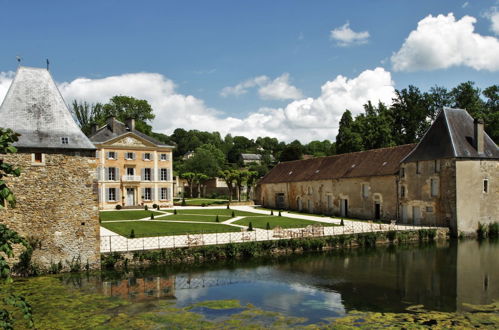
x: 312, y: 288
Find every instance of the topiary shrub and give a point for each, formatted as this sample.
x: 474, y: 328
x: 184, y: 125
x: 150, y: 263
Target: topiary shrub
x: 155, y: 206
x: 217, y: 219
x: 271, y: 212
x: 152, y: 216
x: 250, y: 226
x: 268, y: 226
x: 279, y: 212
x: 174, y: 211
x: 132, y: 233
x: 118, y: 207
x: 228, y: 206
x: 233, y: 214
x: 342, y: 223
x: 146, y: 208
x: 183, y: 202
x: 203, y: 204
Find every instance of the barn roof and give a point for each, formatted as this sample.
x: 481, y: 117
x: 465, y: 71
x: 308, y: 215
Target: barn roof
x: 376, y: 162
x: 34, y: 108
x: 452, y: 136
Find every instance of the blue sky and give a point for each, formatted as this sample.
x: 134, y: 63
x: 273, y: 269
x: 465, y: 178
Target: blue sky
x: 198, y: 52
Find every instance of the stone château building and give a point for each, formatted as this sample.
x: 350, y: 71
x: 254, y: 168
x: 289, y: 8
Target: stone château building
x: 133, y: 168
x: 450, y: 178
x: 56, y: 192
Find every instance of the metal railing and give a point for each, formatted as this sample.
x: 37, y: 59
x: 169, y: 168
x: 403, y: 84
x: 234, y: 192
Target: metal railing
x: 118, y: 243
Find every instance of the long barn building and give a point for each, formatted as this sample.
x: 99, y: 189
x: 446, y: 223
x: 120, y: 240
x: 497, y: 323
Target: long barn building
x: 450, y: 178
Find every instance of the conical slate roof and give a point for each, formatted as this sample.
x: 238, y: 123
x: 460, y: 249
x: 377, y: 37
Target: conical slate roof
x: 34, y: 108
x: 451, y: 136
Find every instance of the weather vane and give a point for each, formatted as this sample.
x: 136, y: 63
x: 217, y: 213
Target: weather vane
x: 48, y: 63
x: 18, y: 58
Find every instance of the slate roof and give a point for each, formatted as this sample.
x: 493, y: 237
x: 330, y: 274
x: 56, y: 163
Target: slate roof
x: 452, y: 136
x: 251, y: 156
x: 105, y: 133
x: 34, y: 108
x: 376, y: 162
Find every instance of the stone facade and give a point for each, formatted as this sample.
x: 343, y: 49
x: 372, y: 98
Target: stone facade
x: 57, y: 204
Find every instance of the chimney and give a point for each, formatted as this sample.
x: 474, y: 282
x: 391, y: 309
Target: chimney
x: 111, y: 123
x: 130, y: 123
x: 94, y: 128
x: 478, y: 132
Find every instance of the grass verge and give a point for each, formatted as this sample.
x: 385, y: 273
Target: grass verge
x: 126, y: 215
x: 283, y: 222
x: 153, y: 228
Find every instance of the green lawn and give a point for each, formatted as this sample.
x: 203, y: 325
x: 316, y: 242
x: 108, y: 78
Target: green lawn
x: 152, y: 228
x: 283, y: 222
x: 201, y: 218
x: 217, y: 211
x: 126, y: 215
x: 276, y: 211
x: 201, y: 201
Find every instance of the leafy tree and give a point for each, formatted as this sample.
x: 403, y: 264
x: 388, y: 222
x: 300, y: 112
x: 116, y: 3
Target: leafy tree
x: 251, y: 179
x: 466, y: 96
x: 87, y: 115
x: 207, y: 159
x: 292, y: 151
x: 376, y: 126
x: 201, y: 181
x: 438, y: 98
x: 124, y: 107
x: 229, y: 176
x: 190, y: 177
x: 240, y: 178
x: 492, y: 112
x: 8, y: 237
x: 347, y: 140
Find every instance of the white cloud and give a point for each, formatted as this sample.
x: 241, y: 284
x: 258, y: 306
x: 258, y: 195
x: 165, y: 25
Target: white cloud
x: 277, y: 89
x: 243, y: 87
x: 280, y: 89
x: 493, y: 15
x: 304, y: 119
x: 5, y: 81
x: 441, y: 42
x: 345, y: 36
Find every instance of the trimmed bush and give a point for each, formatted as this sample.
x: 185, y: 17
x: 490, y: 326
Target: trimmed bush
x: 152, y: 216
x: 217, y: 219
x: 280, y: 213
x: 132, y: 233
x: 271, y: 212
x: 155, y: 206
x: 233, y: 214
x: 118, y: 207
x: 183, y: 202
x: 268, y: 226
x: 228, y: 206
x: 342, y: 223
x: 146, y: 207
x: 174, y: 211
x: 250, y: 226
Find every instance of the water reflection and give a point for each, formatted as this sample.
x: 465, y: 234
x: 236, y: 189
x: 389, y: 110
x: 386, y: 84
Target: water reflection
x: 438, y: 276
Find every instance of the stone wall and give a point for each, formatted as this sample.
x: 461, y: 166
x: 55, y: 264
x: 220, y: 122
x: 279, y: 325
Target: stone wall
x: 312, y: 196
x: 57, y: 203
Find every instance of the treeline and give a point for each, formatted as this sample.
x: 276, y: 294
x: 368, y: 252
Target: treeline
x: 411, y: 114
x: 380, y: 125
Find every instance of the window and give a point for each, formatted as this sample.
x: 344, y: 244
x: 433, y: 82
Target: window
x: 130, y: 155
x: 111, y: 195
x: 486, y: 186
x: 111, y: 173
x: 437, y: 165
x: 164, y: 193
x: 147, y: 174
x: 164, y: 157
x: 365, y: 190
x: 402, y: 172
x: 329, y: 202
x: 418, y: 167
x: 130, y: 171
x: 434, y: 187
x: 164, y: 174
x: 147, y: 194
x: 38, y: 157
x: 64, y: 140
x: 429, y: 209
x: 147, y: 156
x: 402, y: 191
x: 111, y: 155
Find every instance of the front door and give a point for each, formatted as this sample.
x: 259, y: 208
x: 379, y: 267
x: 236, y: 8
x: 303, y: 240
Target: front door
x: 130, y: 196
x: 405, y: 212
x: 416, y: 214
x: 344, y: 208
x: 377, y: 211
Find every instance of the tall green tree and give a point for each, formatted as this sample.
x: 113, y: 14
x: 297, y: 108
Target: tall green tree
x: 375, y: 126
x: 292, y: 151
x: 229, y: 176
x: 492, y: 112
x: 87, y: 114
x: 207, y: 159
x: 124, y: 107
x: 348, y: 138
x: 467, y: 96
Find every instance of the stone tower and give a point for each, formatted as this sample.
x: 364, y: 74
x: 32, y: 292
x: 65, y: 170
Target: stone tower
x: 56, y: 192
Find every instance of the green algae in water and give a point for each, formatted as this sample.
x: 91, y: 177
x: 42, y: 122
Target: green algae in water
x: 218, y: 304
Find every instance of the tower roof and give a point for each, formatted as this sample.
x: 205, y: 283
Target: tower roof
x: 451, y: 136
x: 34, y: 108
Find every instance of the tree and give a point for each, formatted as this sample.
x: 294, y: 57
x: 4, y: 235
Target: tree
x: 251, y: 179
x: 292, y: 151
x: 466, y: 96
x: 376, y: 126
x: 201, y: 180
x: 229, y: 176
x: 347, y: 140
x: 492, y: 112
x: 87, y: 115
x: 124, y: 107
x: 190, y: 177
x: 207, y: 159
x: 439, y: 98
x: 8, y: 237
x: 240, y: 179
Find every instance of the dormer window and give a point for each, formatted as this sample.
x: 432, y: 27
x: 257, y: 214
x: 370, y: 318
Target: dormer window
x: 65, y: 140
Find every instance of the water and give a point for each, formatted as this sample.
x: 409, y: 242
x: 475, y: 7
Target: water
x: 442, y: 277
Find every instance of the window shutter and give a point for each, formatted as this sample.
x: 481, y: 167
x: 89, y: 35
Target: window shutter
x: 107, y: 195
x: 152, y: 174
x: 143, y: 193
x: 168, y: 193
x: 142, y: 174
x: 117, y: 173
x: 168, y: 175
x: 152, y: 156
x: 143, y: 156
x: 133, y: 155
x: 117, y: 190
x: 115, y: 155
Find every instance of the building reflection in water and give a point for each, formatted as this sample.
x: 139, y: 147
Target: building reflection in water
x: 141, y: 289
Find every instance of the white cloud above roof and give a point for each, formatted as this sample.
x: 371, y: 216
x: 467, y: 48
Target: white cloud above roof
x: 277, y: 89
x: 305, y: 119
x: 493, y: 15
x: 345, y: 36
x: 442, y: 41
